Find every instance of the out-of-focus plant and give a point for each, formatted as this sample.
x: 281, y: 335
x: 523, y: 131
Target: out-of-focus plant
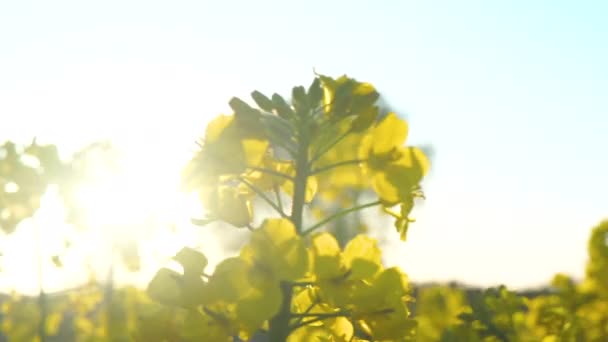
x: 25, y: 174
x: 436, y: 309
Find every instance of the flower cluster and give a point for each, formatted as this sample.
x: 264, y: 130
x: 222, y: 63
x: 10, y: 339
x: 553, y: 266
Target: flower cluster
x: 292, y: 281
x: 334, y: 292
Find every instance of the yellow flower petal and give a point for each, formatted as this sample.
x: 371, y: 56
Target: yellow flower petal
x: 326, y: 252
x: 389, y: 133
x: 363, y: 257
x: 277, y: 246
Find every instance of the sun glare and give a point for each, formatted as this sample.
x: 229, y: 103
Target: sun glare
x: 141, y: 200
x: 137, y: 204
x: 125, y: 200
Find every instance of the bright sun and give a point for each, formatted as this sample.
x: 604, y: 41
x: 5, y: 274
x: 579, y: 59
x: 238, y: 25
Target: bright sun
x: 139, y: 201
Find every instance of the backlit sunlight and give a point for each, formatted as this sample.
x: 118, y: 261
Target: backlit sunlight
x: 133, y: 213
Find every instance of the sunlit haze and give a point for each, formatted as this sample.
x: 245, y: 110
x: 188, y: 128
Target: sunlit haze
x: 511, y: 97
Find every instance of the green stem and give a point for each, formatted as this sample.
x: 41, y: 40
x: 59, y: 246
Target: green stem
x: 271, y: 172
x: 42, y: 303
x: 321, y: 140
x: 332, y: 166
x: 302, y: 173
x: 308, y: 309
x: 279, y: 328
x: 322, y: 150
x: 263, y: 196
x: 322, y: 314
x: 319, y: 317
x: 277, y: 193
x: 338, y: 215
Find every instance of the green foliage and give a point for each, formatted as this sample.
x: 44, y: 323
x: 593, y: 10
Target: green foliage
x: 495, y: 316
x: 436, y: 309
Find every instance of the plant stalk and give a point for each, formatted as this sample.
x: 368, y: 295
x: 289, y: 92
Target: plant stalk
x: 42, y: 303
x: 279, y: 328
x: 338, y: 215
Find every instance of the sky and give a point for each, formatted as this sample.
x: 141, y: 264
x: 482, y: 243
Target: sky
x: 510, y: 95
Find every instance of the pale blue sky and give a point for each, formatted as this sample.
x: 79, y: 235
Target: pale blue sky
x: 512, y: 96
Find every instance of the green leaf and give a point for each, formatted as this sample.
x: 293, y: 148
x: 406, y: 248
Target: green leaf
x: 282, y: 107
x: 300, y: 101
x: 343, y: 96
x: 262, y: 101
x: 241, y: 108
x: 279, y: 131
x: 247, y: 117
x: 315, y: 92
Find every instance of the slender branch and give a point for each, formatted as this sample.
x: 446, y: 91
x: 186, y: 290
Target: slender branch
x: 322, y: 150
x: 319, y: 317
x: 331, y: 166
x: 109, y: 290
x: 263, y: 196
x: 277, y: 193
x: 279, y: 328
x: 321, y: 108
x: 381, y: 312
x: 339, y: 214
x: 308, y: 309
x: 324, y: 126
x: 322, y: 317
x: 215, y: 315
x: 271, y: 172
x: 302, y: 174
x: 42, y: 303
x: 322, y: 314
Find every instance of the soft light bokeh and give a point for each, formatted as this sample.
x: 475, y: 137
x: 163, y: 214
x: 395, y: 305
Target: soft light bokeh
x: 510, y: 95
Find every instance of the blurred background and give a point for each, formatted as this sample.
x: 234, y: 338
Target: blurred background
x: 510, y: 96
